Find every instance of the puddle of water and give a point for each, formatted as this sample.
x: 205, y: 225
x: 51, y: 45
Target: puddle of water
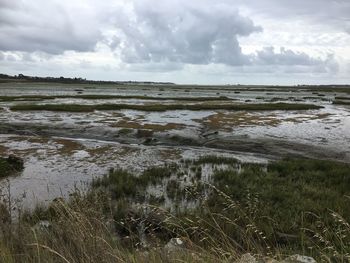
x: 331, y: 132
x: 51, y: 170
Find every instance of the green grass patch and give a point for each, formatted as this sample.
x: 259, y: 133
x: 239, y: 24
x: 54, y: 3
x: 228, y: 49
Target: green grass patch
x: 162, y: 107
x: 123, y: 184
x: 286, y: 198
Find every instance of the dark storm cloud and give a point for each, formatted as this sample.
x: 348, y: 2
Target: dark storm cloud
x: 46, y: 26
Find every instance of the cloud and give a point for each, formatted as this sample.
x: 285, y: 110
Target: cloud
x: 169, y: 37
x: 294, y: 61
x: 191, y: 32
x: 47, y: 26
x: 329, y: 13
x: 268, y: 56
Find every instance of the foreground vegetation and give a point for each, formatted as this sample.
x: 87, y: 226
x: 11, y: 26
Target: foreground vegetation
x: 286, y: 207
x: 162, y: 107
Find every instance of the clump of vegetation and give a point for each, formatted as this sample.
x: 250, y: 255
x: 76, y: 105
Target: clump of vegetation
x: 342, y: 98
x: 341, y: 102
x: 289, y: 188
x: 278, y: 99
x: 163, y: 107
x: 120, y: 183
x: 157, y: 200
x: 123, y: 184
x: 125, y: 131
x: 74, y: 232
x: 172, y: 188
x: 10, y: 165
x: 214, y: 159
x: 155, y: 175
x: 144, y: 133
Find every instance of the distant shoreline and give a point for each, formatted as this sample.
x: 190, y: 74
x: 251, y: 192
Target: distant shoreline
x: 64, y: 80
x: 77, y: 80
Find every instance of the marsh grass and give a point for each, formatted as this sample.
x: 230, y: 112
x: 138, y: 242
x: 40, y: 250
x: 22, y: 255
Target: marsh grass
x: 287, y: 207
x: 163, y: 107
x: 275, y: 197
x: 123, y: 184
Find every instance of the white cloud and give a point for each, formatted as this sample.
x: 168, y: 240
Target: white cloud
x: 48, y: 26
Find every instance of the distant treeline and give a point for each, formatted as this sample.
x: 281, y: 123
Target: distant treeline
x: 21, y: 77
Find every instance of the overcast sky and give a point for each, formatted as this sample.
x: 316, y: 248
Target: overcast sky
x: 183, y: 41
